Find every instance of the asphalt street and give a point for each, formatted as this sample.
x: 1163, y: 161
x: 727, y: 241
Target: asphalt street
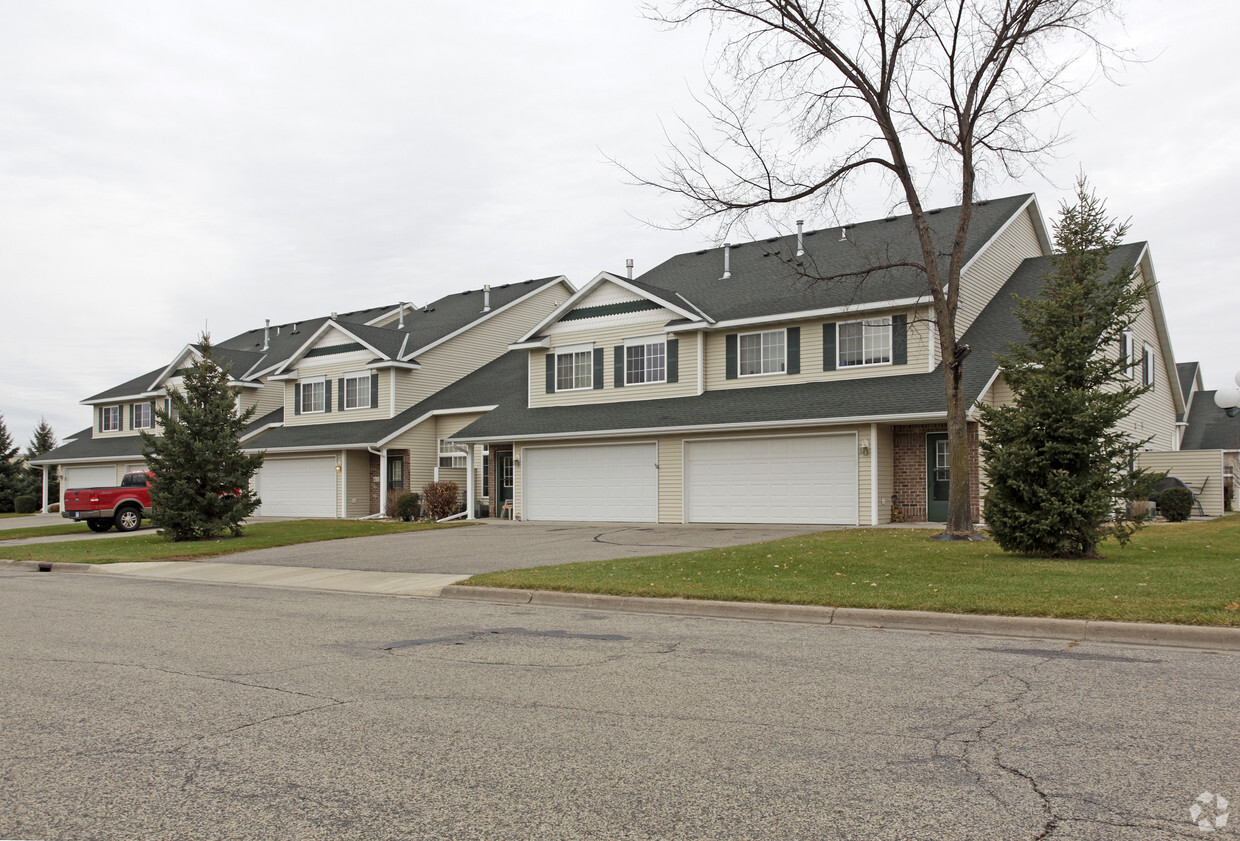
x: 146, y: 709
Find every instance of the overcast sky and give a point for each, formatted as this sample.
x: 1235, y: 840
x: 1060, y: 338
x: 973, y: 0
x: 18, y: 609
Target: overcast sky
x: 168, y: 166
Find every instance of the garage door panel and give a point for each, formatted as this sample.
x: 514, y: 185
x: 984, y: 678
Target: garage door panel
x: 809, y: 479
x: 89, y: 477
x: 617, y: 483
x: 298, y: 487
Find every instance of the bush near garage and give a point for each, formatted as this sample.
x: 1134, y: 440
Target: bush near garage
x: 1176, y: 504
x: 442, y: 499
x: 407, y: 507
x: 25, y: 504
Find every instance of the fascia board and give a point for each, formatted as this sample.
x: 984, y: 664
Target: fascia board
x: 317, y: 448
x: 1039, y: 228
x: 112, y: 401
x: 487, y: 316
x: 264, y: 428
x: 544, y: 342
x: 315, y: 336
x: 801, y: 315
x: 604, y: 277
x: 392, y: 363
x: 427, y: 416
x: 986, y: 388
x: 89, y: 460
x: 172, y: 367
x: 720, y: 427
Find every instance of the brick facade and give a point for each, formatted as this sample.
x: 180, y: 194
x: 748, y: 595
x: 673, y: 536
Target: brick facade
x: 378, y: 478
x: 909, y: 465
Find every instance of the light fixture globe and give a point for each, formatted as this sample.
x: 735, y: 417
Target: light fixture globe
x: 1227, y: 398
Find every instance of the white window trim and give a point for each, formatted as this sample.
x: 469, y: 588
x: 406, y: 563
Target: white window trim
x: 647, y: 341
x: 150, y: 419
x: 103, y: 419
x: 1147, y: 364
x: 840, y: 364
x: 573, y: 350
x: 1128, y: 353
x: 311, y: 381
x: 356, y: 375
x: 450, y: 452
x: 783, y: 366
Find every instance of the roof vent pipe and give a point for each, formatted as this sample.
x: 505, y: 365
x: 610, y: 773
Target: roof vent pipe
x: 628, y: 264
x: 486, y: 298
x: 401, y: 305
x: 267, y: 335
x: 800, y: 237
x: 727, y: 261
x: 294, y: 331
x: 843, y: 233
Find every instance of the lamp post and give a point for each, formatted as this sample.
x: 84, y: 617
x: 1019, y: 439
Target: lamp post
x: 1228, y: 399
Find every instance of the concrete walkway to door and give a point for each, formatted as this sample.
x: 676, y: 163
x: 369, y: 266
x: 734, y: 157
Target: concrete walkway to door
x: 493, y: 545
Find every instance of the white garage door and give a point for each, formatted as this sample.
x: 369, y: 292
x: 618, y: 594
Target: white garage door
x: 811, y: 479
x: 298, y: 487
x: 617, y: 483
x: 89, y: 477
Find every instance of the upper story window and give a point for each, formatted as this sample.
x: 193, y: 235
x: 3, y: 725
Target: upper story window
x: 449, y: 456
x: 313, y: 395
x: 865, y: 342
x: 143, y: 416
x: 357, y: 390
x: 761, y: 353
x: 1147, y: 365
x: 110, y: 419
x: 1128, y: 353
x: 574, y: 367
x: 645, y: 360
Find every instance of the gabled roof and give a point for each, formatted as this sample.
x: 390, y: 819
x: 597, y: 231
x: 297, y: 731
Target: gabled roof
x: 1188, y: 374
x: 138, y: 386
x: 1209, y: 428
x: 661, y: 297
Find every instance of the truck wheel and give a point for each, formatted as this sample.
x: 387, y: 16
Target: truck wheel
x: 99, y: 525
x: 128, y: 519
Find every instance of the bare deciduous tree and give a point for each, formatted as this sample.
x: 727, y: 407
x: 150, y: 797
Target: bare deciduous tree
x: 810, y: 95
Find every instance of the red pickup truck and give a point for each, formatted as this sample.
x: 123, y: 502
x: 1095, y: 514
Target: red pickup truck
x: 103, y: 508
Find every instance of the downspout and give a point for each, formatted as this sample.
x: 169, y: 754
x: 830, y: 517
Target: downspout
x: 469, y: 478
x: 344, y: 484
x: 382, y: 454
x: 873, y: 474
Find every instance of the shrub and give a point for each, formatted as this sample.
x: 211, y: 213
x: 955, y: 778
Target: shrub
x: 25, y: 504
x: 441, y: 498
x: 54, y: 508
x: 407, y: 507
x: 1176, y: 504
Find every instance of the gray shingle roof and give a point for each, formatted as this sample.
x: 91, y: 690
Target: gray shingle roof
x: 85, y: 446
x: 138, y: 385
x: 767, y: 278
x: 842, y: 400
x: 1209, y: 428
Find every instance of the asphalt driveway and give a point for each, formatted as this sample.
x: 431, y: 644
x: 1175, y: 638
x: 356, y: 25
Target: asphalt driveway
x: 490, y: 546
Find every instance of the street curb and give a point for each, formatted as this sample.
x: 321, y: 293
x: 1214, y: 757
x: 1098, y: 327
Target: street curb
x: 49, y: 566
x: 1076, y: 630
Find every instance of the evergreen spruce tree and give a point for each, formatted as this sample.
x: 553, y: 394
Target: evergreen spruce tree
x: 12, y: 482
x: 43, y: 441
x: 202, y: 478
x: 1061, y: 473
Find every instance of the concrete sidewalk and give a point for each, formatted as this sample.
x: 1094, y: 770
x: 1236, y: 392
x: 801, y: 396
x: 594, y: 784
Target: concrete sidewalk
x: 431, y: 585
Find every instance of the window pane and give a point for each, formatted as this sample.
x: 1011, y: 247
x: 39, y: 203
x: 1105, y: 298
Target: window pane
x: 865, y: 342
x: 656, y: 363
x: 635, y: 364
x: 749, y: 354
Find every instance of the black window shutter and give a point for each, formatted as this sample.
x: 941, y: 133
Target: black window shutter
x: 101, y: 411
x: 297, y: 398
x: 828, y: 347
x: 374, y: 390
x: 340, y: 396
x: 673, y: 360
x: 618, y: 366
x: 327, y: 394
x: 132, y: 407
x: 794, y: 350
x: 899, y: 339
x: 598, y: 367
x: 730, y: 356
x: 167, y: 405
x: 551, y: 373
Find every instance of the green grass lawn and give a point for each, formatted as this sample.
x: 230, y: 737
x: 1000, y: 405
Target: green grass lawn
x: 52, y: 530
x: 152, y: 547
x: 1187, y: 573
x: 11, y: 514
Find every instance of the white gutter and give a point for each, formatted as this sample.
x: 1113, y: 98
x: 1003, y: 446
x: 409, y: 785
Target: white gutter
x: 802, y: 315
x: 469, y: 478
x: 382, y: 454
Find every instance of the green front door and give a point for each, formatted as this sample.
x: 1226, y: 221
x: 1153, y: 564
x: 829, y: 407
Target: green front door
x: 938, y: 477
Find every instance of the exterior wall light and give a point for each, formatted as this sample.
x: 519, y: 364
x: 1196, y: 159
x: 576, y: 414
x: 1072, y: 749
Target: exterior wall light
x: 1228, y: 399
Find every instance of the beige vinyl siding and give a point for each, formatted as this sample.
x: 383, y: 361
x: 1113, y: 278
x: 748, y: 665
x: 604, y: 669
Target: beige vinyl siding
x: 1154, y: 415
x: 884, y: 447
x: 334, y: 371
x: 919, y: 343
x: 267, y: 399
x: 422, y: 445
x: 445, y: 427
x: 124, y: 431
x: 670, y: 456
x: 986, y: 276
x: 607, y: 340
x: 1201, y: 470
x: 446, y: 363
x: 357, y: 478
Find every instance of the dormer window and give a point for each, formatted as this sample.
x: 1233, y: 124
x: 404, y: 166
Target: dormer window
x: 110, y: 419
